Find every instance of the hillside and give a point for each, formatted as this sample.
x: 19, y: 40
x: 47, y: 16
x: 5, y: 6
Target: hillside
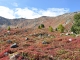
x: 38, y: 44
x: 26, y: 43
x: 65, y: 19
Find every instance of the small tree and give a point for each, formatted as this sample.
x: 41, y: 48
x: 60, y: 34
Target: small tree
x: 76, y: 26
x: 50, y: 29
x: 76, y: 17
x: 60, y: 28
x: 41, y: 26
x: 75, y: 29
x: 8, y: 28
x: 55, y: 29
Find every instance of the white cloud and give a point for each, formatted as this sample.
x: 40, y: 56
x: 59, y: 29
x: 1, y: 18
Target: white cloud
x: 30, y: 13
x: 6, y: 12
x: 54, y: 11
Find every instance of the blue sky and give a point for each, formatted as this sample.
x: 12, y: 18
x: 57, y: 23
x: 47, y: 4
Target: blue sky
x: 36, y: 8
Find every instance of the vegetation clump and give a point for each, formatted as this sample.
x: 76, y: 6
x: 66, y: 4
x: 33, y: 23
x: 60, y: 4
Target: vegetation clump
x: 8, y: 28
x: 60, y: 28
x: 41, y: 26
x: 50, y: 29
x: 76, y: 25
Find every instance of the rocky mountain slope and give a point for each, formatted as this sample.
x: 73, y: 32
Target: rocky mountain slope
x: 65, y: 19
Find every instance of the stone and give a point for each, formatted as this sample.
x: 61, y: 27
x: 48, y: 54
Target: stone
x: 26, y: 38
x: 40, y: 36
x: 14, y: 45
x: 77, y: 35
x: 44, y: 42
x: 49, y: 35
x: 9, y: 41
x: 8, y: 32
x: 72, y: 33
x: 66, y: 34
x: 6, y: 53
x: 70, y: 39
x: 13, y: 56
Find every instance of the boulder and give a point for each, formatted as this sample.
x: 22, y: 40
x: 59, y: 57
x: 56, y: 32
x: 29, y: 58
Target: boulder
x: 14, y: 45
x: 44, y: 42
x: 13, y: 56
x: 26, y: 38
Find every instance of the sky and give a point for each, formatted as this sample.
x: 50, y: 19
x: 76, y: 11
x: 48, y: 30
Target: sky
x: 36, y: 8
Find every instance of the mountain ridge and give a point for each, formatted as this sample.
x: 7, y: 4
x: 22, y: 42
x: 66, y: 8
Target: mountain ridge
x: 65, y: 19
